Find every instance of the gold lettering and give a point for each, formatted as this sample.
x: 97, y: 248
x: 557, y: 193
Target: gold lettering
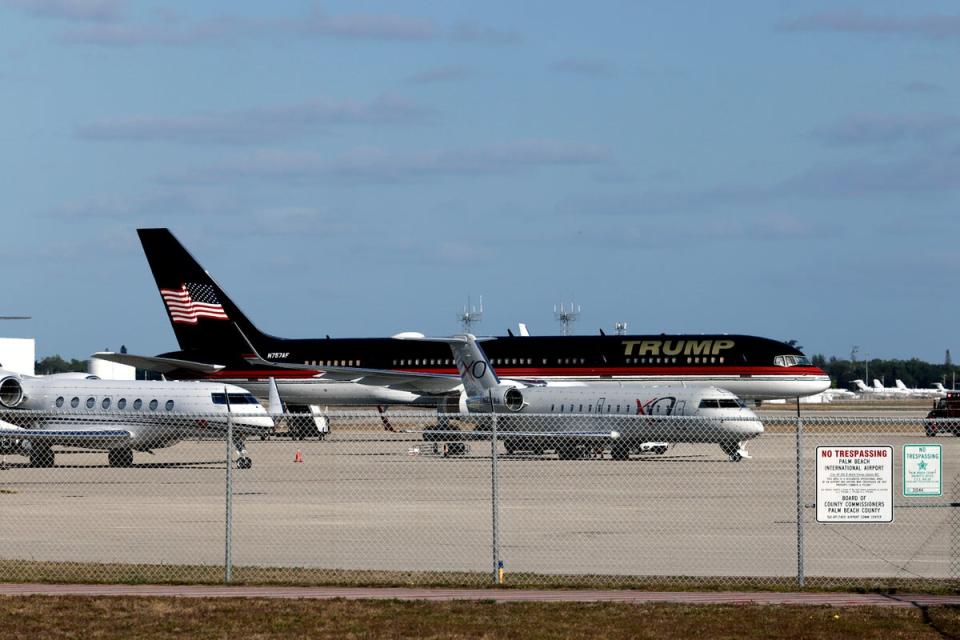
x: 650, y: 348
x: 700, y: 347
x: 629, y: 344
x: 671, y: 348
x: 720, y: 345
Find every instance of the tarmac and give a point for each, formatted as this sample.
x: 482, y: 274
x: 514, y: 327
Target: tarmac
x: 369, y: 501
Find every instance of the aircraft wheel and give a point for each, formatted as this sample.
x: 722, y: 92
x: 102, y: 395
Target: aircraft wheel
x: 568, y: 451
x: 41, y: 456
x: 620, y: 451
x: 244, y: 462
x: 120, y: 457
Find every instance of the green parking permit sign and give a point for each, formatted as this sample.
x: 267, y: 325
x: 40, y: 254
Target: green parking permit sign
x: 922, y: 465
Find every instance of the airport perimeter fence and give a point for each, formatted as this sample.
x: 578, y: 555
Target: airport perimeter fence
x: 610, y: 501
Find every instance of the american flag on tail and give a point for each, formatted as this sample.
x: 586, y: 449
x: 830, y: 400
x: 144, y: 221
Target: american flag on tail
x: 192, y: 301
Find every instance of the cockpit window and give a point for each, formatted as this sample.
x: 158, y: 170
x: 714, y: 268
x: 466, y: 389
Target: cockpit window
x: 235, y: 398
x: 791, y: 361
x: 722, y: 403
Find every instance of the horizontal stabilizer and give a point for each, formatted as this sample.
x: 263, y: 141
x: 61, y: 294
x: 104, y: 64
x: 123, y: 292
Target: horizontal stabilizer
x: 157, y: 364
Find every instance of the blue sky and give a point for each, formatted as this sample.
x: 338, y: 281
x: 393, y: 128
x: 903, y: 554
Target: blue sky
x: 359, y: 168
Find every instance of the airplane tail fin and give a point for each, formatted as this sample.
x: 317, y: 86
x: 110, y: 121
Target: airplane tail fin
x: 877, y: 384
x: 900, y: 385
x: 859, y: 384
x: 938, y: 386
x: 472, y: 363
x: 203, y: 317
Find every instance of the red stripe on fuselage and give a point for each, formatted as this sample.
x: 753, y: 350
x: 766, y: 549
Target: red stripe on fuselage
x: 536, y: 372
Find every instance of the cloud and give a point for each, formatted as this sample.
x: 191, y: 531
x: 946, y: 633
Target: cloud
x: 149, y: 206
x: 589, y: 67
x: 935, y: 172
x: 168, y: 29
x: 260, y: 124
x: 931, y: 26
x: 452, y: 73
x: 920, y: 86
x: 875, y: 129
x: 473, y: 33
x: 74, y: 10
x: 368, y: 26
x: 375, y: 165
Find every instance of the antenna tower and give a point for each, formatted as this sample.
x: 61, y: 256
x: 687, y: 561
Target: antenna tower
x: 566, y: 316
x: 470, y: 315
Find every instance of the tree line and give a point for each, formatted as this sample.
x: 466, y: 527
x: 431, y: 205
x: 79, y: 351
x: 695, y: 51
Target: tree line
x: 913, y: 372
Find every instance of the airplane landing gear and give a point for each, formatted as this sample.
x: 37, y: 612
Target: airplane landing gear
x: 41, y: 456
x: 735, y: 450
x: 120, y: 457
x: 243, y: 460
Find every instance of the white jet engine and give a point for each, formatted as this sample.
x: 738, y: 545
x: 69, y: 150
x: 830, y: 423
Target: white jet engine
x: 11, y: 392
x: 509, y: 397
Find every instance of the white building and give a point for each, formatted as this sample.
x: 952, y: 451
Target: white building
x: 18, y: 355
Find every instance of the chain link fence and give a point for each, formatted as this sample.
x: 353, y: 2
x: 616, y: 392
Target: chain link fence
x: 417, y: 498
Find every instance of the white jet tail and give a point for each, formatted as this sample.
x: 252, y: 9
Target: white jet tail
x: 472, y: 363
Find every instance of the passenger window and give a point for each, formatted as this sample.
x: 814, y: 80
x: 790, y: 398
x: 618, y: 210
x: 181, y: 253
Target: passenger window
x: 571, y: 408
x: 169, y: 405
x: 75, y: 402
x: 153, y: 405
x: 618, y: 408
x: 59, y: 402
x: 105, y: 404
x: 137, y: 404
x: 122, y: 403
x: 581, y: 408
x: 91, y: 402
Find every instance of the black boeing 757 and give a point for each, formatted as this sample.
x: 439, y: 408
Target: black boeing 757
x: 217, y: 341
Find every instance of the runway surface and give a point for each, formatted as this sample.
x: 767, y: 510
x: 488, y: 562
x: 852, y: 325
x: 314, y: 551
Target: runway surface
x: 385, y: 502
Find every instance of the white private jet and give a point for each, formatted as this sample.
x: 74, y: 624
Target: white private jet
x: 933, y: 392
x: 80, y: 410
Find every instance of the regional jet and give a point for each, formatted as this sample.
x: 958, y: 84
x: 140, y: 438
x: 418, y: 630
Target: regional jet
x: 213, y: 333
x: 80, y: 410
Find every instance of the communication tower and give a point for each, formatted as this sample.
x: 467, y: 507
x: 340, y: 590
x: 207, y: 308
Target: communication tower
x: 566, y: 316
x: 470, y: 315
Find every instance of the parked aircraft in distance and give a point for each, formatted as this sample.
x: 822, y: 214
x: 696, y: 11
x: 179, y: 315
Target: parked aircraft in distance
x: 870, y: 392
x: 728, y: 421
x: 838, y: 394
x: 38, y: 413
x: 213, y: 333
x: 919, y: 392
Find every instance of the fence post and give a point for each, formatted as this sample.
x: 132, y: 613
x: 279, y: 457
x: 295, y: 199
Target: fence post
x: 799, y: 461
x: 228, y: 533
x: 955, y: 529
x: 494, y: 492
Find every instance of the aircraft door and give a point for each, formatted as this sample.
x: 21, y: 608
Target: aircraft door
x: 678, y: 409
x: 600, y: 405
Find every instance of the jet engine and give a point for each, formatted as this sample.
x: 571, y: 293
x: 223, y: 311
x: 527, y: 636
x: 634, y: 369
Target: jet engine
x: 11, y: 392
x: 509, y: 397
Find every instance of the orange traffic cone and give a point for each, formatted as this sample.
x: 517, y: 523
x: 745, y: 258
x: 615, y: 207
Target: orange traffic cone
x: 298, y: 457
